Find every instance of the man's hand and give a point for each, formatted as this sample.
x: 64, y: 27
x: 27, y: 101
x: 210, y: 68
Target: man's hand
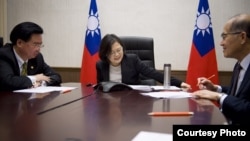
x: 41, y: 77
x: 204, y: 83
x: 206, y: 94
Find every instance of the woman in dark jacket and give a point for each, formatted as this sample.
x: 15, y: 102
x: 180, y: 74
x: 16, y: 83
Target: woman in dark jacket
x: 115, y: 65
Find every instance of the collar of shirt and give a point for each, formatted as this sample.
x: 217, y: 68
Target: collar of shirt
x: 245, y: 62
x: 20, y: 61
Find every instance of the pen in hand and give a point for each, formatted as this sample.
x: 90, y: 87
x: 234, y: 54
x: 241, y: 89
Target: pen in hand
x: 207, y: 78
x: 211, y: 76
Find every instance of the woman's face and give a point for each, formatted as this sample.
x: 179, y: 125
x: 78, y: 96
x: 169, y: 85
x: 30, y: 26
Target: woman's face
x: 116, y: 54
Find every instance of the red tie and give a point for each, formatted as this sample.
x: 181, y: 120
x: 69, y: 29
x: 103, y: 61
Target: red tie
x: 235, y: 78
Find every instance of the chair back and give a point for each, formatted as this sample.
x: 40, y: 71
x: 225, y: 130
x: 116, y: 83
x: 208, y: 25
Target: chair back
x: 1, y: 41
x: 144, y: 48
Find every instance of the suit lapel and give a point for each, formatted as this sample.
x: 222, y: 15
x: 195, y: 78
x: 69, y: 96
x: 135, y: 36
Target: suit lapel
x: 32, y: 67
x: 232, y: 80
x: 246, y: 81
x: 124, y: 68
x: 106, y: 72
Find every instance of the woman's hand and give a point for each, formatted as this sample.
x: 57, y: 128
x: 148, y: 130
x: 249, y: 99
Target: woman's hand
x: 186, y: 87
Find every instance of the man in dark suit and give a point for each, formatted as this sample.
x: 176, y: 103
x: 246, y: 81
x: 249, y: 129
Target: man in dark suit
x: 235, y: 104
x: 25, y: 48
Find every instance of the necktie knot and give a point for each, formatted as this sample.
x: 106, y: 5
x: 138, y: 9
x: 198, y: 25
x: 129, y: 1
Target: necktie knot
x: 24, y: 69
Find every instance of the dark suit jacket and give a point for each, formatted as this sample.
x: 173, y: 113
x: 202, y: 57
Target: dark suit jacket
x: 131, y: 67
x: 237, y: 108
x: 10, y: 78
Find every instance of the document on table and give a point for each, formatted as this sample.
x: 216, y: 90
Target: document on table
x: 168, y: 94
x: 153, y: 88
x: 152, y: 136
x: 171, y: 88
x: 45, y: 89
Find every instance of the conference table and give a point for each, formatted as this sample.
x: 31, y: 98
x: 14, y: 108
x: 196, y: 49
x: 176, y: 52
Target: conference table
x: 85, y: 114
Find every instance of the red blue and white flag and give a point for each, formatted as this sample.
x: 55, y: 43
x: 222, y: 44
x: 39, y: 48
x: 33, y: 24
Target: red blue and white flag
x: 202, y: 61
x: 91, y: 46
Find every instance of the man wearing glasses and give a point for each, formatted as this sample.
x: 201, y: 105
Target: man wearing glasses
x: 22, y: 65
x: 234, y: 101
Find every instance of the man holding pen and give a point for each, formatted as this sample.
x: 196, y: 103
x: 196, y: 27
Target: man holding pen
x: 235, y: 100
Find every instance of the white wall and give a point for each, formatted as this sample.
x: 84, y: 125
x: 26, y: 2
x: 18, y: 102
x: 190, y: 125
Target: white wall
x: 3, y: 18
x: 169, y: 22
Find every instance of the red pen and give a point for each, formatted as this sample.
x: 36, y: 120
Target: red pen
x: 171, y: 113
x: 208, y: 78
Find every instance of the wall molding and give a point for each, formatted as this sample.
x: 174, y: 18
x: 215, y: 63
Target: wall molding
x: 73, y: 75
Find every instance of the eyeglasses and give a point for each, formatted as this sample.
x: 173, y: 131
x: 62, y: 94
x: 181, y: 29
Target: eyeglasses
x: 34, y: 44
x: 224, y: 35
x: 38, y: 45
x: 116, y: 51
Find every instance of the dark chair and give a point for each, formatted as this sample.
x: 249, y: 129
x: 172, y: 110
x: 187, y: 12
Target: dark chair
x: 144, y: 48
x: 1, y: 41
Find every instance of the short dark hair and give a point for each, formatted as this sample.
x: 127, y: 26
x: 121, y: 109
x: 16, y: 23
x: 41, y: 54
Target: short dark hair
x: 24, y: 31
x: 105, y: 48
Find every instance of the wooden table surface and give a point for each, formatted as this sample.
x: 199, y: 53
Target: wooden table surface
x: 86, y: 115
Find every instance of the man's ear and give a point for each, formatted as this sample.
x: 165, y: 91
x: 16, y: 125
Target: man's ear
x: 19, y: 42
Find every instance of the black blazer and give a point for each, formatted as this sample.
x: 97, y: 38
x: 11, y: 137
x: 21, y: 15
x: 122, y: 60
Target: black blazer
x: 131, y: 67
x: 10, y: 78
x: 237, y: 108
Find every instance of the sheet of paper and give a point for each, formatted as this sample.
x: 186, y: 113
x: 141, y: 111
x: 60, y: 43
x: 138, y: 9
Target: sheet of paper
x: 152, y: 136
x: 141, y: 87
x: 171, y: 88
x: 45, y: 89
x: 168, y: 94
x: 153, y: 88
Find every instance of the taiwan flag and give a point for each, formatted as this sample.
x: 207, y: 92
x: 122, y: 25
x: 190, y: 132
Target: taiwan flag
x: 91, y: 46
x: 202, y: 61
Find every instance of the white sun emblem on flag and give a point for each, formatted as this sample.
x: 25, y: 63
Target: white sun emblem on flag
x: 203, y: 22
x: 93, y: 24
